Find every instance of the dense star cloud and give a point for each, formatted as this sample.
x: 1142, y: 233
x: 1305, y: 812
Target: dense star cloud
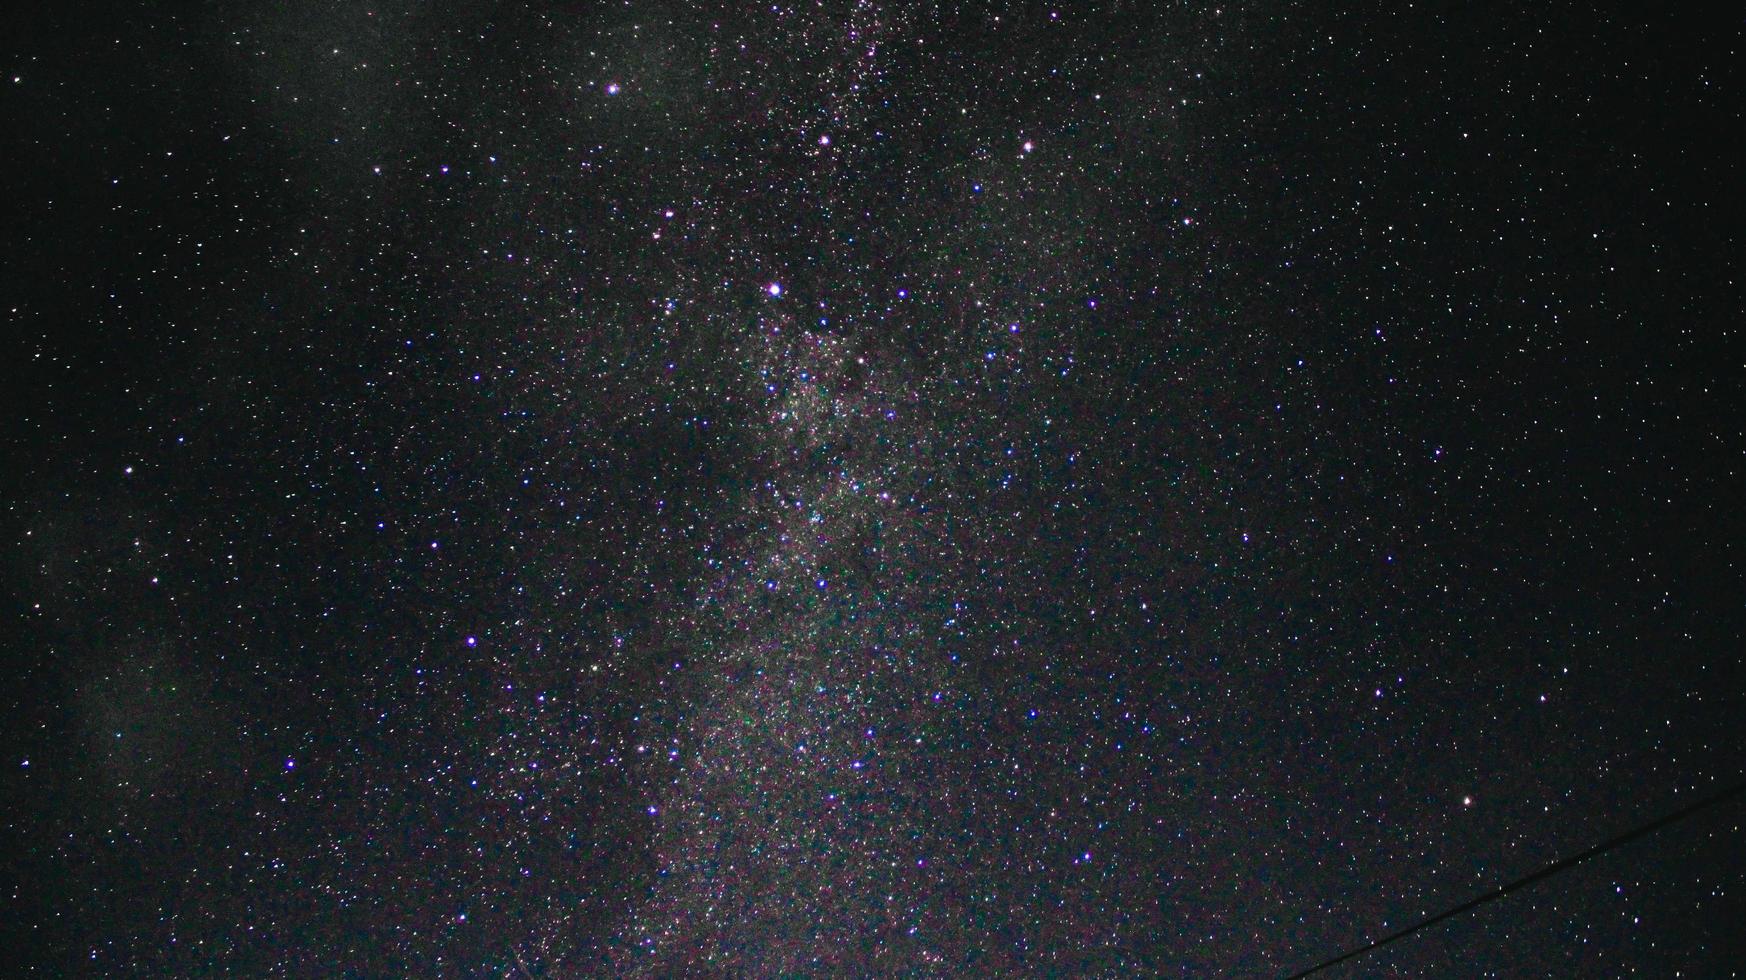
x: 868, y: 489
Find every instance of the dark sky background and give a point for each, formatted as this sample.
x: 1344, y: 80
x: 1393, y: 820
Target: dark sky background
x: 557, y: 489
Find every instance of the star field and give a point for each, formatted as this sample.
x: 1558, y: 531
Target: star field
x: 856, y: 489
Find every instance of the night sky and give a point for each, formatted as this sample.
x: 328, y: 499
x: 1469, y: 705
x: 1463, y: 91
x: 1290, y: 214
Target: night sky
x: 847, y: 489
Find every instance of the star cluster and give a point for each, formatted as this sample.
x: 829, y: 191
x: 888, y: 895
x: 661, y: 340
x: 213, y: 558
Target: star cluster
x: 868, y: 489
